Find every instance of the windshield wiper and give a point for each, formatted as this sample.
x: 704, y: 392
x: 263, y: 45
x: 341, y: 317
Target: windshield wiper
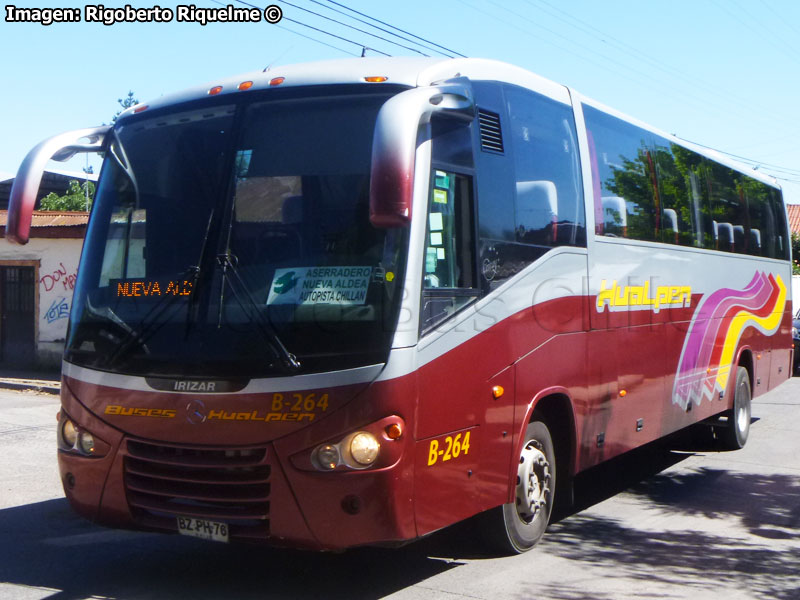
x: 247, y: 303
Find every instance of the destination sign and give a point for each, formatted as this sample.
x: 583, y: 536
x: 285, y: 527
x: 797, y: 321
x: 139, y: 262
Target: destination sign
x: 320, y: 285
x: 147, y: 288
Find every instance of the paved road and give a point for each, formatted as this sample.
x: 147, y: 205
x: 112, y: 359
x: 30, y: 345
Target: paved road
x: 709, y: 525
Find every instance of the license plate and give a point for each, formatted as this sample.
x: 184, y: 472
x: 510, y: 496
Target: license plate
x: 203, y: 529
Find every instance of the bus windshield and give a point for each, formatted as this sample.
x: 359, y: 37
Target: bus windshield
x: 234, y: 241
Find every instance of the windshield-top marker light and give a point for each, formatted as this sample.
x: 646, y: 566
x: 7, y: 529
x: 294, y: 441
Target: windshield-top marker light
x: 376, y: 79
x: 277, y: 81
x: 215, y: 90
x: 141, y: 108
x: 245, y: 85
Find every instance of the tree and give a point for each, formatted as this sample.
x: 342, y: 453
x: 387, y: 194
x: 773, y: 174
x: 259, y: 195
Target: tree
x: 125, y: 103
x: 796, y: 253
x: 73, y: 200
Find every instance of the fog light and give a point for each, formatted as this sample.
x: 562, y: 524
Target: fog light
x: 364, y: 448
x: 69, y: 434
x: 351, y: 505
x: 328, y: 456
x: 87, y: 443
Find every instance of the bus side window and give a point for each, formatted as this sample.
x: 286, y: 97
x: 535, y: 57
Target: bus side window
x: 679, y: 219
x: 449, y: 281
x: 548, y: 204
x: 626, y: 175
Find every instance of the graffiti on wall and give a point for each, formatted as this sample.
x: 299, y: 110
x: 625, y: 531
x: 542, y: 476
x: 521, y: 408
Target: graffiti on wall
x: 55, y: 289
x: 59, y: 309
x: 60, y: 275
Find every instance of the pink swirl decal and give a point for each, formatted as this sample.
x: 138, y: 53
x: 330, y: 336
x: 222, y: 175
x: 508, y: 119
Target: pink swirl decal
x: 718, y: 324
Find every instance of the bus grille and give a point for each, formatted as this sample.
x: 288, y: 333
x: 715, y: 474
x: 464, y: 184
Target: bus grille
x: 226, y: 485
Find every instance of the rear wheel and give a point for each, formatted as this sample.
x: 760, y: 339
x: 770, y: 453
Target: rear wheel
x: 734, y: 436
x: 517, y: 526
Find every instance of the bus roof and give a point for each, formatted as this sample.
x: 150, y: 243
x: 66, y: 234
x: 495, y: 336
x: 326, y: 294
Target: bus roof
x: 413, y: 72
x: 406, y: 71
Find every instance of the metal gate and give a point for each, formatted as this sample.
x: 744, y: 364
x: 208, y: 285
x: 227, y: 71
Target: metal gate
x: 18, y: 321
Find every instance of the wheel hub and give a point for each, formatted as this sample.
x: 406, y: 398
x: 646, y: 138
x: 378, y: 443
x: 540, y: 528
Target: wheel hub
x: 533, y: 481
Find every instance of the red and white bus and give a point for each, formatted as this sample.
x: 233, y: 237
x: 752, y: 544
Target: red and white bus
x: 354, y: 302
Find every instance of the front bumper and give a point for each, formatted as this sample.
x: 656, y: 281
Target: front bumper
x: 258, y: 490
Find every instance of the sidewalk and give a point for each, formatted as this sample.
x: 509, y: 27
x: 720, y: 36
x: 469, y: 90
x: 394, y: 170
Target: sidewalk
x: 48, y: 382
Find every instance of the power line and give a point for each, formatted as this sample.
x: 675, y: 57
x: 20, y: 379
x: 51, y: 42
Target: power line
x: 338, y: 37
x: 352, y: 27
x: 769, y: 39
x: 364, y: 46
x: 588, y: 54
x: 368, y: 24
x: 398, y: 29
x: 757, y: 163
x: 308, y: 37
x: 635, y: 53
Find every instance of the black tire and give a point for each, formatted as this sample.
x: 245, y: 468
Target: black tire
x: 518, y: 526
x: 734, y: 436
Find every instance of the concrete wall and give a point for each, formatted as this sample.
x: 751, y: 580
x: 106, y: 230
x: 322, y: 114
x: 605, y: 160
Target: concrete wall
x: 56, y: 266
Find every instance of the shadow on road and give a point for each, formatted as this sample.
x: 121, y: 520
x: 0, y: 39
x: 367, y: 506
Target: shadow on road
x: 756, y: 549
x: 46, y: 546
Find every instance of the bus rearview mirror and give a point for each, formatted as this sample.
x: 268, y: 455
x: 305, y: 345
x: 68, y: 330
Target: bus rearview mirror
x: 29, y: 176
x: 394, y: 145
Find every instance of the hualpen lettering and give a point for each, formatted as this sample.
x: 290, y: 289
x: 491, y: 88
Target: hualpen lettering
x: 638, y: 297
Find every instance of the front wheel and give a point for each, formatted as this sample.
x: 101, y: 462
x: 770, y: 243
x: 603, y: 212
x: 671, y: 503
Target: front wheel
x: 517, y: 526
x: 734, y: 436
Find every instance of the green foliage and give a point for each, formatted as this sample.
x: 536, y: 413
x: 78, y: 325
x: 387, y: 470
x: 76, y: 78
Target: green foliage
x: 73, y: 200
x: 796, y: 253
x: 125, y: 103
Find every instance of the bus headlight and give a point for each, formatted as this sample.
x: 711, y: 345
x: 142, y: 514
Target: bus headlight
x: 377, y: 446
x: 357, y: 451
x: 76, y: 440
x: 364, y: 448
x: 86, y: 443
x: 69, y: 435
x: 327, y: 457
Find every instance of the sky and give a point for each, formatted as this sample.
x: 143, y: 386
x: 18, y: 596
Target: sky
x: 721, y: 73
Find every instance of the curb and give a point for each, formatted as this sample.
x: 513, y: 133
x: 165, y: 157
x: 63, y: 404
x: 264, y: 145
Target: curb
x: 45, y: 387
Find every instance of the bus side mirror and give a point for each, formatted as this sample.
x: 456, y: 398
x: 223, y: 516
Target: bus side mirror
x: 394, y: 145
x: 29, y: 176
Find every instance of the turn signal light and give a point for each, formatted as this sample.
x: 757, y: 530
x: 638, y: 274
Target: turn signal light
x: 393, y: 431
x: 497, y: 391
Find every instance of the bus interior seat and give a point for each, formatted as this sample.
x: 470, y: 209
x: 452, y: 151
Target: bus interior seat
x: 615, y: 216
x: 739, y: 238
x: 671, y: 222
x: 537, y: 212
x: 723, y: 236
x: 755, y: 241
